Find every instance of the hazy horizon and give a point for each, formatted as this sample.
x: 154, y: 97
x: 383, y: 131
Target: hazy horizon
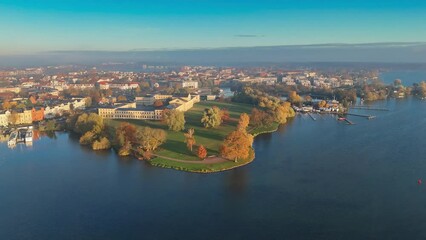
x: 392, y: 52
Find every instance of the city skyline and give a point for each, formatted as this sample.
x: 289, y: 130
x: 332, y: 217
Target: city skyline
x: 29, y: 27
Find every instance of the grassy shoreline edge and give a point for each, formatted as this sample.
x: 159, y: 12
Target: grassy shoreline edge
x: 218, y: 167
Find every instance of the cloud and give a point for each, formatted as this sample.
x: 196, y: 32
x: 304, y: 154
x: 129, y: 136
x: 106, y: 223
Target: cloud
x: 248, y: 35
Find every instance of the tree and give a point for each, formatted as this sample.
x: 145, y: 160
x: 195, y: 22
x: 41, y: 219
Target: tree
x: 89, y: 122
x: 101, y: 144
x: 6, y: 105
x: 189, y: 138
x: 138, y: 91
x: 95, y: 95
x: 121, y: 98
x: 322, y: 104
x: 420, y: 89
x: 212, y: 117
x: 48, y: 127
x: 294, y: 97
x: 125, y: 133
x: 243, y: 122
x: 158, y: 103
x: 107, y: 92
x: 28, y: 104
x: 215, y: 90
x: 149, y: 139
x: 260, y: 118
x: 88, y: 138
x: 290, y: 110
x: 281, y: 114
x: 88, y: 101
x: 237, y: 145
x: 225, y: 115
x: 144, y: 85
x: 174, y: 119
x: 397, y: 82
x: 202, y: 152
x: 21, y: 105
x: 14, y: 118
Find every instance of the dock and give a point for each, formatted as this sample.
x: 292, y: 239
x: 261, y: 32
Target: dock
x: 342, y: 118
x: 349, y: 122
x: 361, y: 115
x: 21, y: 135
x: 310, y: 115
x: 369, y: 108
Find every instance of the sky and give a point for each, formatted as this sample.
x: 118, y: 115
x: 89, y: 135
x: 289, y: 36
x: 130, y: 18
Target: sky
x: 32, y: 26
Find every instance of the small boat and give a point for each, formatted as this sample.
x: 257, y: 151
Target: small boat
x: 29, y: 135
x: 13, y: 138
x: 341, y: 119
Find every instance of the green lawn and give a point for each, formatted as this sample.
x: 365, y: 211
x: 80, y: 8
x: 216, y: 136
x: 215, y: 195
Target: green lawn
x: 264, y: 129
x: 175, y: 146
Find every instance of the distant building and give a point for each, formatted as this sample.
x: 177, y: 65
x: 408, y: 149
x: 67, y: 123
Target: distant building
x: 139, y: 111
x: 10, y: 89
x: 81, y: 86
x: 184, y: 84
x: 24, y: 117
x: 122, y: 86
x: 130, y: 111
x: 37, y: 114
x: 190, y: 84
x: 4, y: 118
x: 150, y: 99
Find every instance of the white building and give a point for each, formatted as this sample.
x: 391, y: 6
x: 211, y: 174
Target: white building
x: 4, y: 119
x: 190, y: 84
x: 131, y: 111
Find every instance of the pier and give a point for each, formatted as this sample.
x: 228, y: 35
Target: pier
x: 369, y: 108
x: 340, y: 117
x: 310, y: 115
x: 361, y: 115
x: 349, y: 122
x: 21, y: 135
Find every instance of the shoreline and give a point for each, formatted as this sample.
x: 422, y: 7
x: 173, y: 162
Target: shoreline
x: 269, y: 129
x: 206, y: 170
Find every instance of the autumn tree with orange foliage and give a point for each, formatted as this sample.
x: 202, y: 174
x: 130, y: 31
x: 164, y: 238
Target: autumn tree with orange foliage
x: 125, y: 135
x: 237, y: 145
x: 202, y: 152
x: 260, y: 118
x: 225, y: 115
x: 322, y: 104
x: 7, y: 105
x: 243, y: 122
x: 294, y: 97
x: 158, y: 103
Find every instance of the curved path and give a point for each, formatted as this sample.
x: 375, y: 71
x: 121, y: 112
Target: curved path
x: 208, y: 160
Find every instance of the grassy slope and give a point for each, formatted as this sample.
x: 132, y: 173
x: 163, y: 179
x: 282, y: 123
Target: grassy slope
x: 175, y: 146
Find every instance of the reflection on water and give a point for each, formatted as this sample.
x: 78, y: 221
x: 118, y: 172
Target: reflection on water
x: 17, y: 139
x: 237, y: 181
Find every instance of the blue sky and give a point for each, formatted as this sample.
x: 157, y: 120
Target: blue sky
x: 28, y: 26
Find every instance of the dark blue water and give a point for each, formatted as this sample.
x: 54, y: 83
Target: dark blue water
x: 407, y: 77
x: 310, y: 180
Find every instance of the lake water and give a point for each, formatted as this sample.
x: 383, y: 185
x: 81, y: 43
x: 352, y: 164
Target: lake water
x: 310, y: 180
x: 407, y: 77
